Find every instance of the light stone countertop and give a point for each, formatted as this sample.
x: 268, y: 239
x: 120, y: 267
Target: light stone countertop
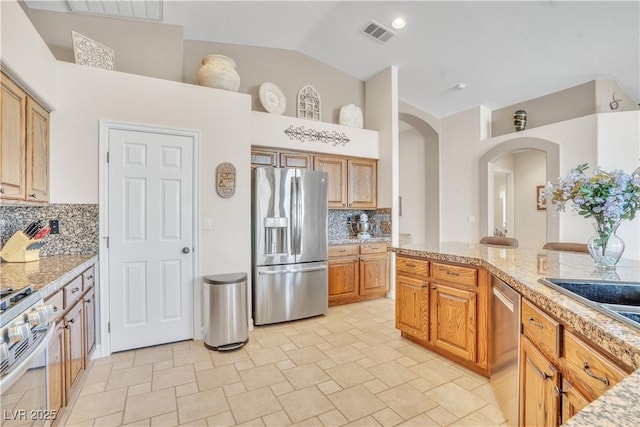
x: 521, y: 269
x: 352, y: 240
x: 47, y: 275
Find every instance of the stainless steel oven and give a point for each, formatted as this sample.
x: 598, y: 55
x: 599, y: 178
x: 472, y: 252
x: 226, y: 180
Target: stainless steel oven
x: 25, y: 334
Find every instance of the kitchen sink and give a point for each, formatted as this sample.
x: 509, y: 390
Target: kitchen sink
x: 619, y: 300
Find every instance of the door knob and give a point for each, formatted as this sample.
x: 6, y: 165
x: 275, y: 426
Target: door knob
x: 186, y: 250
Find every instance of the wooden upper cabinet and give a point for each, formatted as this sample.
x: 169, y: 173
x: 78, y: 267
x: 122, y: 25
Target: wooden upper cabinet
x: 37, y: 167
x: 260, y: 157
x: 363, y: 183
x: 12, y: 146
x: 336, y: 168
x: 295, y: 160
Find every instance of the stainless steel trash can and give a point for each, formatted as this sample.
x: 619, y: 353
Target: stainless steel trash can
x: 228, y: 321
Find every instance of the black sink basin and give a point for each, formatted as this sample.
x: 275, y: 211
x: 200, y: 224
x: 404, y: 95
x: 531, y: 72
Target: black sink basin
x: 620, y: 300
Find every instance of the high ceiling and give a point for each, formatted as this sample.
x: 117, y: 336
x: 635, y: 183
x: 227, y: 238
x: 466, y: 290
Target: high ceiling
x: 503, y: 51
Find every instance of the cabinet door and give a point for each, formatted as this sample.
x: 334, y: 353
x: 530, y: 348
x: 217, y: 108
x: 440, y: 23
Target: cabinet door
x: 453, y: 314
x: 37, y: 167
x: 260, y: 157
x: 74, y: 344
x: 336, y: 169
x: 412, y: 314
x: 12, y: 146
x: 295, y: 160
x: 90, y: 323
x: 572, y: 401
x: 343, y: 279
x: 374, y: 274
x: 55, y: 361
x: 539, y: 404
x: 363, y: 183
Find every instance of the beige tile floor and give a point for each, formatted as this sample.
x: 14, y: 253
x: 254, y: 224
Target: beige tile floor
x: 350, y: 367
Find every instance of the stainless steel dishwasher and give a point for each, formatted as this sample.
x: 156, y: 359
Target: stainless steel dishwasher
x: 505, y: 348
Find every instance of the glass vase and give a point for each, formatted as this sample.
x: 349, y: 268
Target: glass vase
x: 605, y: 246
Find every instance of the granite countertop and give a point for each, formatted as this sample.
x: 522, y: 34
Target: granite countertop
x: 47, y: 275
x: 353, y: 240
x: 521, y: 269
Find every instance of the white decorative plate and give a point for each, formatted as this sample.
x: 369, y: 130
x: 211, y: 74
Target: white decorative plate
x: 272, y: 98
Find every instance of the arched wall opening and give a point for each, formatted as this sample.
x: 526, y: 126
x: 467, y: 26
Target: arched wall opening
x: 426, y: 193
x: 552, y: 152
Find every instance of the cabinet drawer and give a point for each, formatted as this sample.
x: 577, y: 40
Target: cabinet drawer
x: 88, y: 277
x: 455, y: 274
x: 373, y: 248
x: 344, y: 250
x: 588, y: 370
x: 542, y: 330
x: 412, y: 265
x: 57, y: 303
x: 72, y: 291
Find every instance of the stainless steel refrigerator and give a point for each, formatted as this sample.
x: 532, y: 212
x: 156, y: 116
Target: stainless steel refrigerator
x: 289, y: 230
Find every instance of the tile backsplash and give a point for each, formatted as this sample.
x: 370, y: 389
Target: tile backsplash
x: 339, y: 227
x: 78, y: 226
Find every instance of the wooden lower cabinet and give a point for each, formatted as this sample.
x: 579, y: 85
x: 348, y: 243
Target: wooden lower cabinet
x: 358, y: 272
x: 90, y: 323
x: 453, y: 314
x: 74, y: 343
x: 539, y: 380
x: 412, y: 311
x: 55, y: 355
x: 571, y: 401
x: 445, y: 308
x: 343, y: 279
x: 560, y: 373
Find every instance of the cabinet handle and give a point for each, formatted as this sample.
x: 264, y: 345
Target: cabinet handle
x: 67, y: 327
x: 72, y: 321
x: 33, y: 196
x: 536, y: 324
x: 74, y: 290
x: 538, y: 372
x: 408, y: 264
x: 342, y: 250
x: 89, y: 277
x: 434, y: 287
x: 55, y: 309
x: 89, y: 300
x: 1, y: 190
x: 344, y: 204
x: 452, y: 273
x: 559, y: 391
x: 589, y: 372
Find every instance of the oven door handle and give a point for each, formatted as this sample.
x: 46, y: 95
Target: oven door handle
x: 12, y: 376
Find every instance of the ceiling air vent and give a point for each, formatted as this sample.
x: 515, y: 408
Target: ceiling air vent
x: 378, y: 32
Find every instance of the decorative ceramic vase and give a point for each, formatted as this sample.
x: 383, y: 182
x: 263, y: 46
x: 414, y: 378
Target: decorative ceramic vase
x: 520, y: 120
x: 605, y: 246
x: 219, y: 71
x: 350, y: 115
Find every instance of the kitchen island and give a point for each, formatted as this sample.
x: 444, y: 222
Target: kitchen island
x: 521, y: 269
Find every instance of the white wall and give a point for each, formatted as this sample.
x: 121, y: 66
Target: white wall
x: 530, y: 223
x: 87, y: 95
x: 25, y: 55
x: 413, y: 185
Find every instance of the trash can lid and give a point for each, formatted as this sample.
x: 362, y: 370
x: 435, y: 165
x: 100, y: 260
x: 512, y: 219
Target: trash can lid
x: 225, y: 279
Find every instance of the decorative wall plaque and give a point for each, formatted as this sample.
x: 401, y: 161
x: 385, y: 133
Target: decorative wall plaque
x: 311, y: 135
x: 89, y: 52
x: 308, y: 103
x: 226, y: 180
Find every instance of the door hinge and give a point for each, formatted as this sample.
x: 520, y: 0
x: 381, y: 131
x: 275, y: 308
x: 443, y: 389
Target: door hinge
x: 107, y: 241
x: 107, y: 157
x: 109, y: 327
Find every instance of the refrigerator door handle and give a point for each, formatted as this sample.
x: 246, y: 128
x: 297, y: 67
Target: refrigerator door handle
x: 293, y: 214
x: 297, y: 232
x: 298, y: 270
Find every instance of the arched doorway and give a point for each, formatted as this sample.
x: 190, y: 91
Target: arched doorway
x: 419, y: 192
x: 551, y: 151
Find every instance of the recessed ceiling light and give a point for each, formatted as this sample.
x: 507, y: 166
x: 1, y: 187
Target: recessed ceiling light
x: 461, y: 86
x: 399, y: 22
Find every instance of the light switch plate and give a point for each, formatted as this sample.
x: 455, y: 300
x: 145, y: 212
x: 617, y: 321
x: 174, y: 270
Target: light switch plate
x: 207, y: 224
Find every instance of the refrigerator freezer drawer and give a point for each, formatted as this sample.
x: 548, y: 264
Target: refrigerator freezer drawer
x: 289, y: 292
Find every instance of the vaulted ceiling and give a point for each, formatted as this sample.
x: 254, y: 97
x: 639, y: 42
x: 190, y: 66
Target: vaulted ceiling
x: 503, y: 52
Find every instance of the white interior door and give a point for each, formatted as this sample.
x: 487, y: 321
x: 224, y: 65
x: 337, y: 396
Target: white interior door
x: 150, y: 223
